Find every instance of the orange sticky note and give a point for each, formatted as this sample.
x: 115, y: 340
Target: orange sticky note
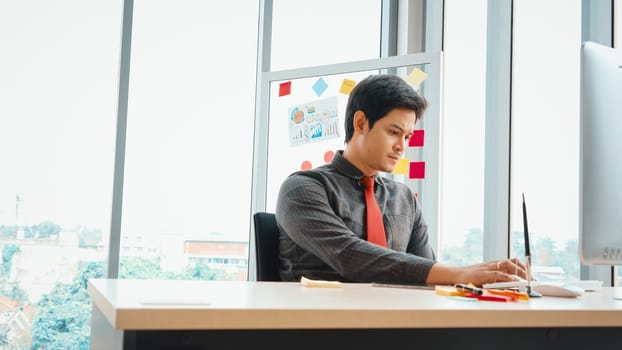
x: 346, y: 86
x: 417, y: 170
x: 328, y: 156
x: 509, y: 293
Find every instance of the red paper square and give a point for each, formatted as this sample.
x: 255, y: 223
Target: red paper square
x: 417, y: 170
x: 417, y: 139
x: 285, y: 88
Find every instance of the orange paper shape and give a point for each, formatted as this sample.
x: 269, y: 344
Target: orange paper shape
x: 328, y: 156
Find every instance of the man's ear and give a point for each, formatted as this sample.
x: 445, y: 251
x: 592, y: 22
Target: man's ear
x: 359, y: 121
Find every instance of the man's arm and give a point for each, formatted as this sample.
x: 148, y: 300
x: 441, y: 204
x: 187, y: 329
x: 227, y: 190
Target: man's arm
x: 419, y: 244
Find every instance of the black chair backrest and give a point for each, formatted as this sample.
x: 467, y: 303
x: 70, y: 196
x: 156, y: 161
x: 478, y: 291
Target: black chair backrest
x: 266, y: 246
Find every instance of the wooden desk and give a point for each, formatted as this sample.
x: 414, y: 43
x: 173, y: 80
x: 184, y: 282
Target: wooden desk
x: 146, y: 314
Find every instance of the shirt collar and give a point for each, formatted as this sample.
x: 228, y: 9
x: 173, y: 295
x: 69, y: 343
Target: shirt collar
x: 348, y: 169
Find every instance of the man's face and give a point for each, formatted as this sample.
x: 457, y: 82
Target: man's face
x: 380, y: 148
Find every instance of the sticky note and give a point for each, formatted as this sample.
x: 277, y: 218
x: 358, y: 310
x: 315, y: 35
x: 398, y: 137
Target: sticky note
x: 492, y: 297
x: 416, y: 140
x: 401, y: 167
x: 328, y: 156
x: 306, y: 165
x: 463, y: 298
x: 448, y: 291
x: 416, y: 77
x: 417, y: 170
x: 320, y: 86
x: 508, y: 292
x: 346, y: 86
x: 285, y: 88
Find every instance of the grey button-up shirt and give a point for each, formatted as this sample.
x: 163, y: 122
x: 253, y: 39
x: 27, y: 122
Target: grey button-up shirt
x: 321, y: 218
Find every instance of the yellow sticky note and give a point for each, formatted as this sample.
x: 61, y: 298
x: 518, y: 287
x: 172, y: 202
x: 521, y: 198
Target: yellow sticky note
x: 416, y: 77
x: 447, y: 291
x: 346, y: 86
x: 401, y: 167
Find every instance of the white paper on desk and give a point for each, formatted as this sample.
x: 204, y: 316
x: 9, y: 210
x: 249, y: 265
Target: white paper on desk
x: 309, y: 283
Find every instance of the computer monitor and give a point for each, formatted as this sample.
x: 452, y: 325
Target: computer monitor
x: 600, y: 205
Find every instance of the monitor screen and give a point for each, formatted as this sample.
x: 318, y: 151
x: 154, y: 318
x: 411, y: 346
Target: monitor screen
x: 600, y: 229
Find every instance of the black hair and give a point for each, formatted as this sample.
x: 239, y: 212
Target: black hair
x: 377, y: 96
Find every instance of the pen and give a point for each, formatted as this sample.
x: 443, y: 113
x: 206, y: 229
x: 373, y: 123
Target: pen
x: 469, y: 288
x: 410, y: 286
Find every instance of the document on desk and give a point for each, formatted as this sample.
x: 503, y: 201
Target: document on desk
x: 309, y: 283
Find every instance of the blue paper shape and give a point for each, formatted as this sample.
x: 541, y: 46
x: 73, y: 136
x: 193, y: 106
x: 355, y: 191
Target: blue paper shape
x: 320, y: 86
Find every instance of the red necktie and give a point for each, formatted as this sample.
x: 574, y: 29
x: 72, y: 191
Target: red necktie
x: 375, y: 226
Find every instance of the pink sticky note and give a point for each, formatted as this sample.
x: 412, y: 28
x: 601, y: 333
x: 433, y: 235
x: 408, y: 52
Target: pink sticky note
x: 417, y: 139
x: 285, y: 88
x: 417, y: 170
x: 328, y: 156
x: 306, y: 165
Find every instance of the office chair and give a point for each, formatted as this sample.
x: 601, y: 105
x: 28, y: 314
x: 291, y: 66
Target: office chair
x: 266, y: 246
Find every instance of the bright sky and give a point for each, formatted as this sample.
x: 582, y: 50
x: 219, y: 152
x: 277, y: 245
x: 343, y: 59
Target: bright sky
x: 190, y: 115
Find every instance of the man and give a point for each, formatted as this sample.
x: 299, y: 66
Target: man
x: 321, y: 213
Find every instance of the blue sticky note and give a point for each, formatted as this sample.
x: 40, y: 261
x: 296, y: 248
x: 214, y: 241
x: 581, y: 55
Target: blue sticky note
x: 320, y: 86
x: 462, y: 298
